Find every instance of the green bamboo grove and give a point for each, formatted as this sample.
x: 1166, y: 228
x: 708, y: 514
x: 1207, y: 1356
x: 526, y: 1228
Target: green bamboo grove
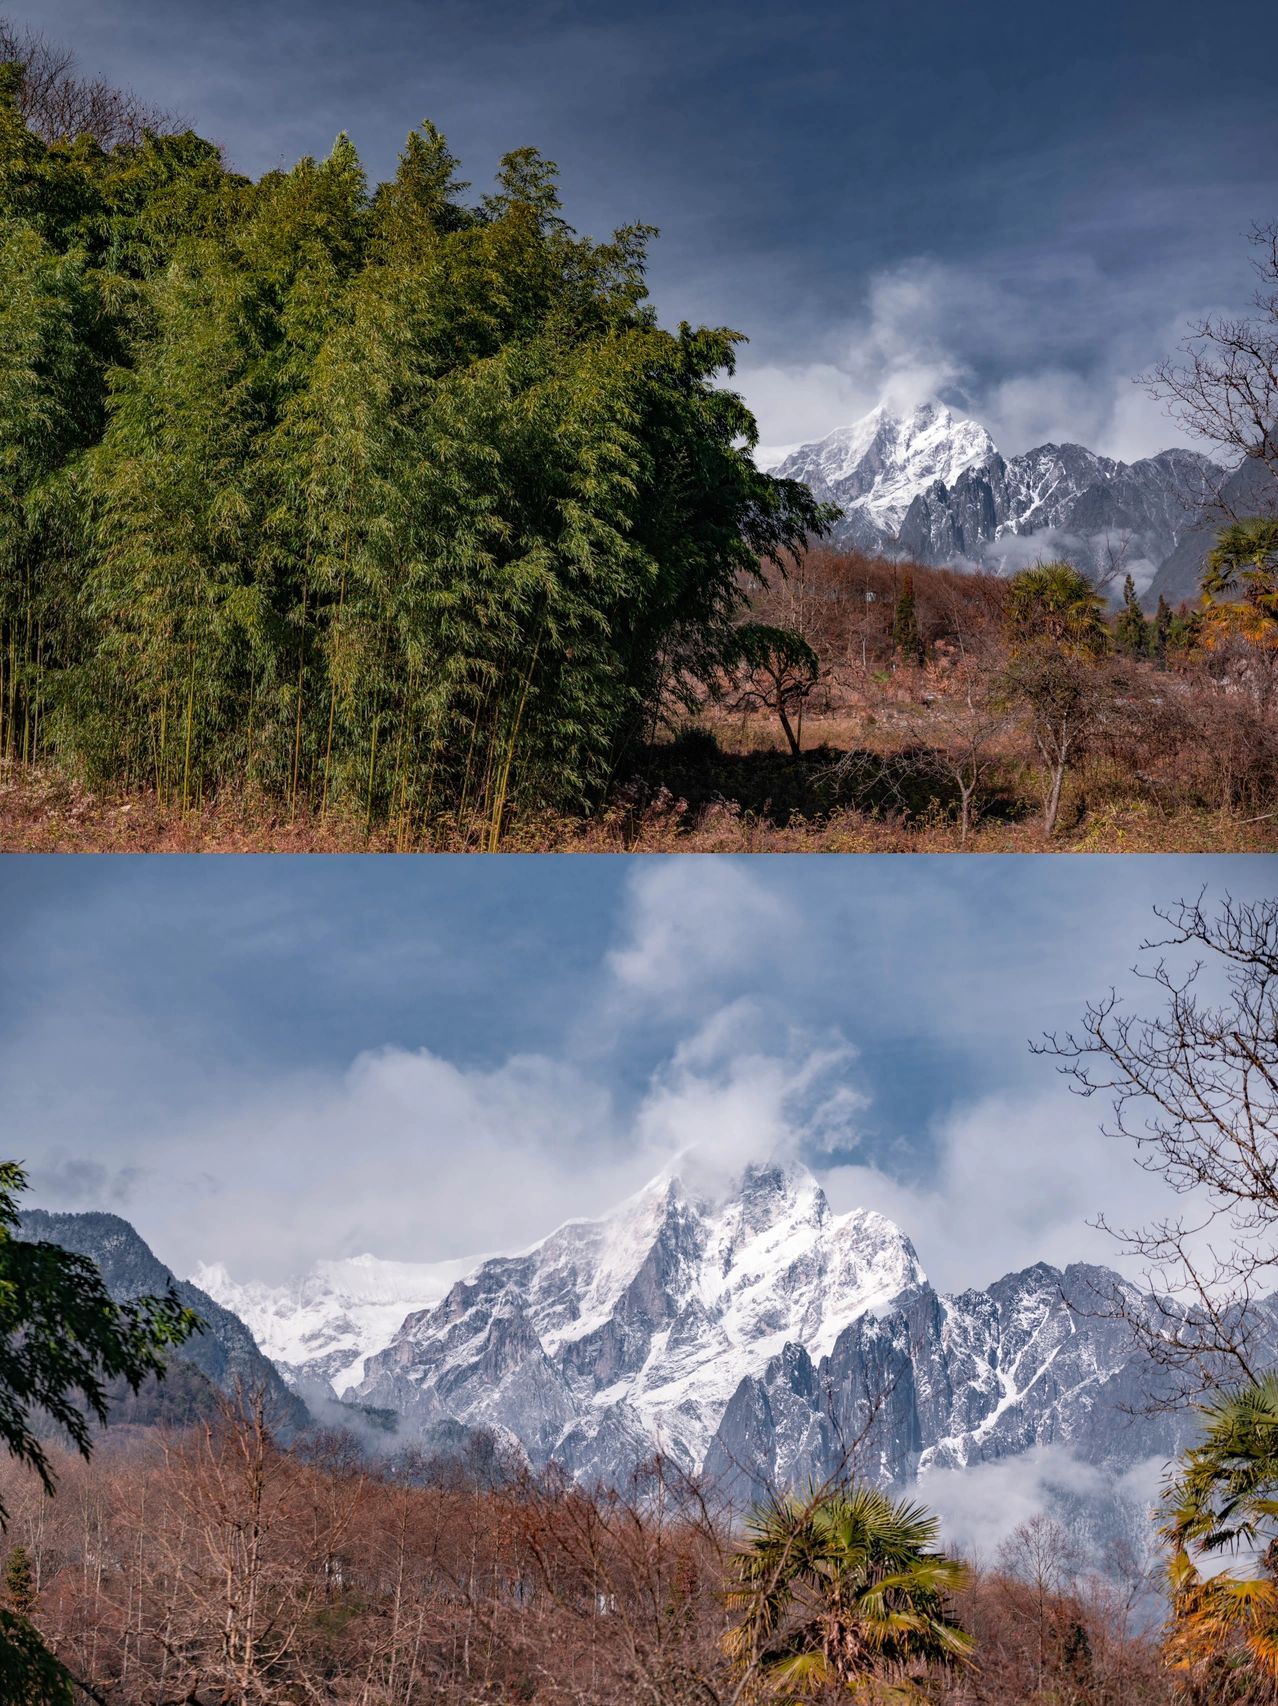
x: 388, y: 498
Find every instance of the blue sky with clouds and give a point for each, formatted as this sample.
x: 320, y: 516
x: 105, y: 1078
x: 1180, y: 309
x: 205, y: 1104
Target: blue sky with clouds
x: 1016, y: 207
x: 266, y: 1061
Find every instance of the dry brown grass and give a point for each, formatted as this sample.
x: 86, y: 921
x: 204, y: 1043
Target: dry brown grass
x: 44, y: 811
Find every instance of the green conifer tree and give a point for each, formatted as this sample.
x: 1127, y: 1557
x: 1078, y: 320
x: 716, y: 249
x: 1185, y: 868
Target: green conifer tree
x: 18, y: 1583
x: 1160, y: 637
x: 1131, y: 631
x: 906, y: 639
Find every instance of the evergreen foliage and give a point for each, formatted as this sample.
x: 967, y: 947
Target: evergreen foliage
x: 845, y: 1590
x: 774, y: 667
x: 1223, y: 1497
x: 18, y: 1584
x: 906, y: 639
x: 1161, y: 633
x: 1131, y: 631
x: 1240, y: 581
x: 387, y: 497
x: 62, y: 1338
x: 29, y: 1673
x: 1054, y: 606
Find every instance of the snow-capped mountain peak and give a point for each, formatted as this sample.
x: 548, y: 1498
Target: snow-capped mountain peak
x: 636, y: 1328
x: 931, y: 485
x: 883, y: 461
x: 740, y: 1325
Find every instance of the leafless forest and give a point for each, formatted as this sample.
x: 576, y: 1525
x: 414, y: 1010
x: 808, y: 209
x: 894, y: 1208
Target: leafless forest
x: 212, y: 1566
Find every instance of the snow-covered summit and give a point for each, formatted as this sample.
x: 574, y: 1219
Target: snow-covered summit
x: 882, y: 462
x: 931, y: 485
x: 618, y: 1334
x: 739, y: 1325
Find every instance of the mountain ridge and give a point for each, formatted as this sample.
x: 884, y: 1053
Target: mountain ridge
x: 752, y: 1334
x: 224, y: 1351
x: 933, y: 486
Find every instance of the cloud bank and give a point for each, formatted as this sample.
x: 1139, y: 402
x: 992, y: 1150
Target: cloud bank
x: 981, y: 339
x: 732, y: 1009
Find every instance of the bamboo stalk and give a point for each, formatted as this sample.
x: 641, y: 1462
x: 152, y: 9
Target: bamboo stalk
x: 297, y: 736
x: 499, y: 807
x: 190, y: 714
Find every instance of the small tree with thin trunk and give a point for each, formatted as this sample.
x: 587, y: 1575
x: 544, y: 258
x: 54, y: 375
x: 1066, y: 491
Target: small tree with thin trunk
x: 1063, y: 696
x: 1056, y: 630
x: 1040, y: 1554
x: 960, y: 733
x: 906, y: 639
x: 775, y: 668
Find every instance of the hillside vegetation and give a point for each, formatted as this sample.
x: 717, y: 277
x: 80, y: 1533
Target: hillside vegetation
x: 857, y: 704
x: 386, y: 499
x: 413, y: 1582
x: 338, y: 515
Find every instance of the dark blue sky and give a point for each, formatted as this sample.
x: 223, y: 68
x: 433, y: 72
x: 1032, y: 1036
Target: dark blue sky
x: 268, y: 1060
x: 1016, y: 206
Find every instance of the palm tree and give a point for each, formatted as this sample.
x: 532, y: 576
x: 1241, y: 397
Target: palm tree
x: 843, y: 1589
x: 1225, y: 1499
x: 1053, y: 604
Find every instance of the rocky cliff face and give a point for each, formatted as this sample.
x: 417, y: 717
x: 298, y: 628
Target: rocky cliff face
x: 875, y: 468
x: 947, y: 1382
x: 1251, y: 489
x: 1105, y: 516
x: 748, y: 1331
x: 225, y: 1352
x: 614, y: 1337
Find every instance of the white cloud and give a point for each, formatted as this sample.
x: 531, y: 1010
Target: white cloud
x: 727, y: 1016
x: 415, y: 1157
x: 981, y: 338
x: 403, y: 1153
x: 893, y: 352
x: 1015, y: 1180
x: 746, y: 1087
x: 692, y: 925
x: 981, y: 1507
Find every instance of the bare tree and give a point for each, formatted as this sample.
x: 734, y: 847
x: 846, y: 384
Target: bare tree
x: 1226, y: 389
x: 1112, y: 557
x: 1064, y: 697
x: 1194, y: 1089
x: 59, y: 106
x: 961, y: 729
x: 1040, y: 1553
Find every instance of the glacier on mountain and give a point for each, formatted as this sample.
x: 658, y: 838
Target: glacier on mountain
x: 320, y: 1329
